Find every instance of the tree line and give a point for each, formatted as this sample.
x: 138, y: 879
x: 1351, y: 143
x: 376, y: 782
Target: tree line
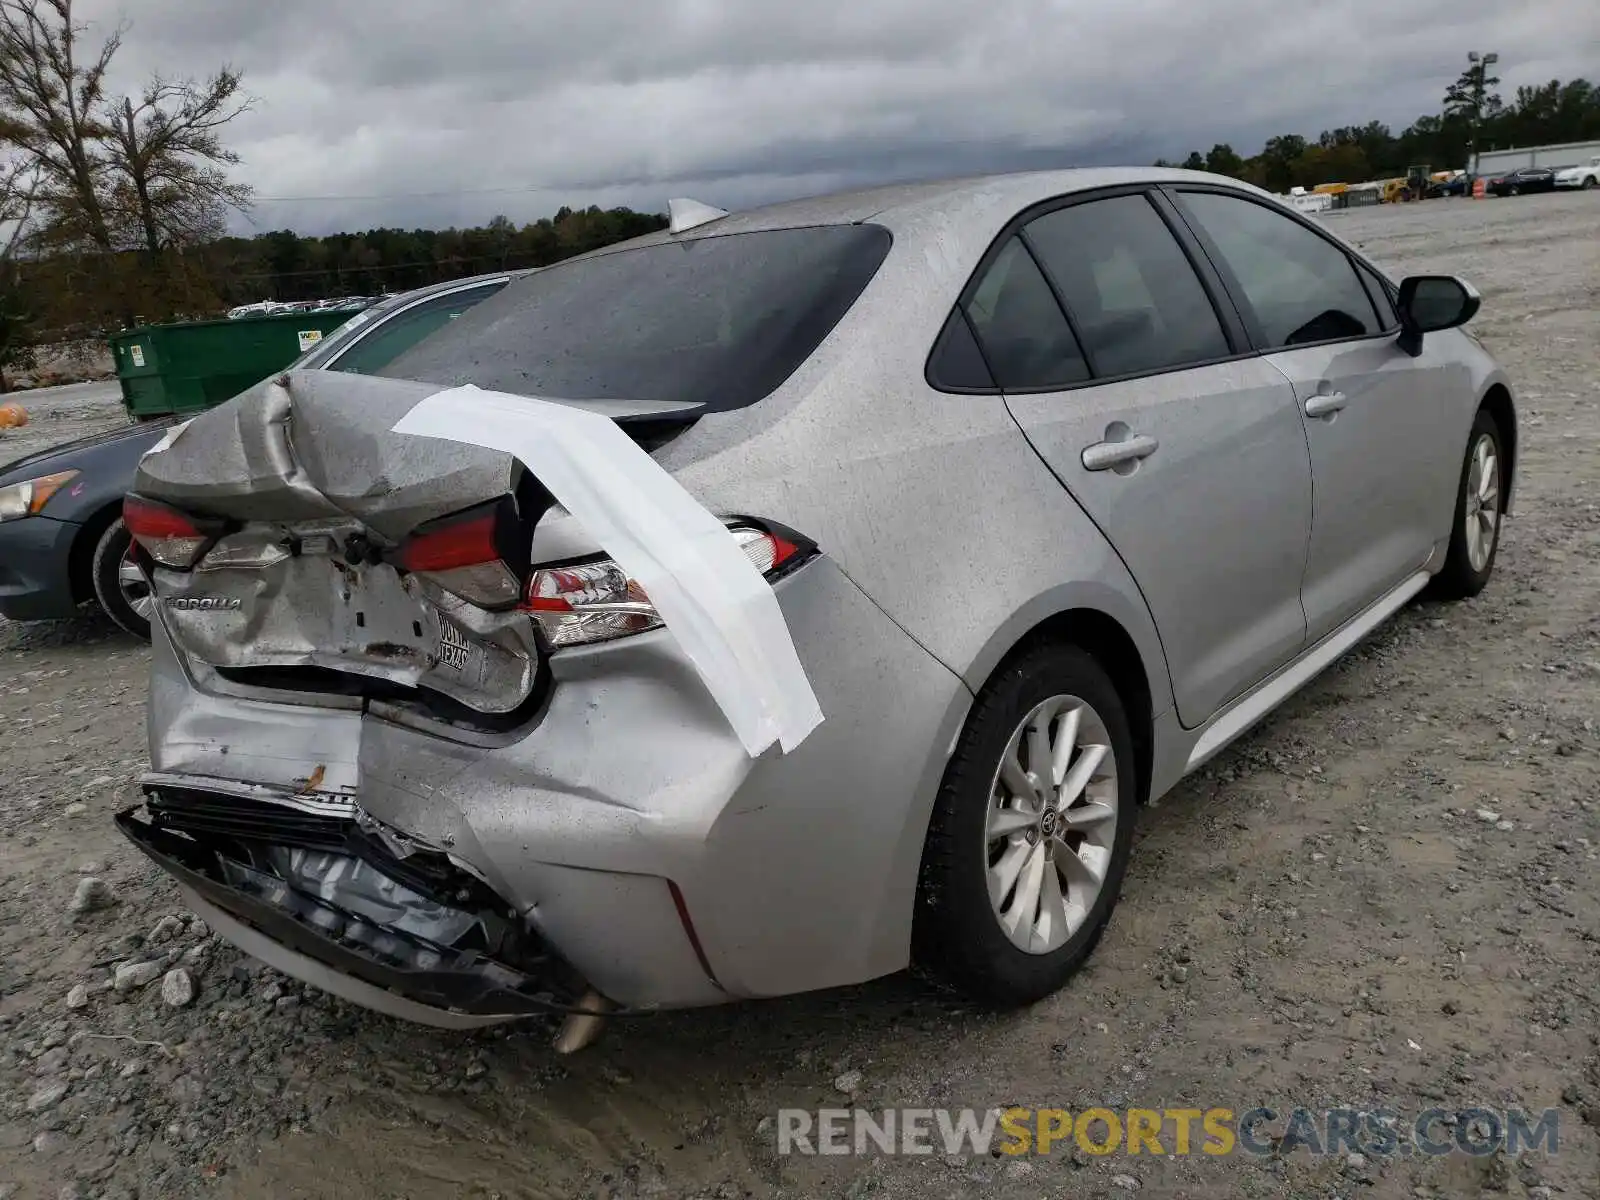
x: 1552, y: 113
x: 200, y: 281
x: 114, y: 210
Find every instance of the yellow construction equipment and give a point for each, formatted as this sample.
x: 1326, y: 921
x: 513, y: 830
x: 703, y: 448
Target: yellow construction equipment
x: 1390, y: 190
x: 1417, y: 183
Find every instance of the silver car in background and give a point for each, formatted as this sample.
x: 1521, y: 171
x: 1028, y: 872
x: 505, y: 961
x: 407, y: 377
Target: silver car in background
x: 1061, y: 480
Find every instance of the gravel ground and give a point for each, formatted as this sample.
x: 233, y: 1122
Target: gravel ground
x: 59, y: 414
x: 1382, y: 898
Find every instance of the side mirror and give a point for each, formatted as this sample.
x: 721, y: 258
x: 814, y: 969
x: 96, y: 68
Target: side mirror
x: 1429, y: 303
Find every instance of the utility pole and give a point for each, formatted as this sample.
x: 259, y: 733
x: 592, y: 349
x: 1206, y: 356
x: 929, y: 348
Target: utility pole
x: 1480, y: 74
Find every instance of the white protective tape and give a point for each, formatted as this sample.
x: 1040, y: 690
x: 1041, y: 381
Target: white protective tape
x: 712, y: 598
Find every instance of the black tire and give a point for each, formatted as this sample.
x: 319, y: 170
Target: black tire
x: 956, y: 934
x: 1588, y: 182
x: 1459, y: 579
x: 1511, y: 191
x: 108, y: 590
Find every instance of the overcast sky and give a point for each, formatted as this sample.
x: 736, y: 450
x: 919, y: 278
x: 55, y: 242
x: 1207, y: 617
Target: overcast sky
x: 427, y: 112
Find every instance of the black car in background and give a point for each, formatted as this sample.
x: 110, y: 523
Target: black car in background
x: 1523, y: 179
x: 62, y: 541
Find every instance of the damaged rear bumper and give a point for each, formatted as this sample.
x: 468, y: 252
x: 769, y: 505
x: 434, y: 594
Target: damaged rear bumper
x: 625, y: 824
x: 324, y: 904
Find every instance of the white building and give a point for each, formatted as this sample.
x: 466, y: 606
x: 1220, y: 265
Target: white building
x: 1564, y: 154
x: 1308, y: 202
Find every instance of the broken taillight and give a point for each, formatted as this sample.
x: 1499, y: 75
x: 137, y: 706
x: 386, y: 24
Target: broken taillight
x: 170, y: 537
x: 596, y: 601
x: 472, y: 554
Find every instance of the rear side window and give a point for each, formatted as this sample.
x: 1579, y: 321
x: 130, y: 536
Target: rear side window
x: 1301, y: 287
x: 1133, y: 296
x: 721, y: 320
x: 957, y: 364
x: 1024, y: 334
x: 387, y: 340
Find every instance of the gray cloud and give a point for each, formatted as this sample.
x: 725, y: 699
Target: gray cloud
x: 427, y: 103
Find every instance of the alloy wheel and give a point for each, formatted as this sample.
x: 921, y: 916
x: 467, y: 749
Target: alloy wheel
x: 135, y: 589
x: 1052, y: 823
x: 1482, y: 503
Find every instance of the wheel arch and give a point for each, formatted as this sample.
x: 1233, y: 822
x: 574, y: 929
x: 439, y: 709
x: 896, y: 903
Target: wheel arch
x: 80, y: 559
x: 1499, y: 405
x: 1117, y: 634
x: 1104, y: 640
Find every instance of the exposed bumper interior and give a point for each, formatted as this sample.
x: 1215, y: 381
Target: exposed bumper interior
x: 329, y: 891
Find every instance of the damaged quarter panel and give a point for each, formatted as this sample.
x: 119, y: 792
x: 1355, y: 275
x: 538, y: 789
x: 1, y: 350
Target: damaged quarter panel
x: 635, y: 779
x: 635, y: 772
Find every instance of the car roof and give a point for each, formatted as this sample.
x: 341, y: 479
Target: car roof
x: 428, y: 289
x: 896, y: 203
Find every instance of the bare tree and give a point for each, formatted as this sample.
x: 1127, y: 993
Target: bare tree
x: 168, y: 161
x: 50, y: 101
x: 19, y: 186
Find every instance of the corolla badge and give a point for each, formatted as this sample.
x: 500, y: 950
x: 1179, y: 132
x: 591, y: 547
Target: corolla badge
x: 202, y: 603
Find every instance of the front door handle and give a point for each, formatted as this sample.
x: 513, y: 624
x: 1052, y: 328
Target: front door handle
x: 1325, y: 404
x: 1103, y: 456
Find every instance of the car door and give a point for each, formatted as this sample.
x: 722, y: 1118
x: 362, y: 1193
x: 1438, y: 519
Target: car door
x: 1188, y: 454
x: 1375, y: 417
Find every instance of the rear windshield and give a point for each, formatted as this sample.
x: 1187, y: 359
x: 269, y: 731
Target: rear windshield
x: 719, y: 320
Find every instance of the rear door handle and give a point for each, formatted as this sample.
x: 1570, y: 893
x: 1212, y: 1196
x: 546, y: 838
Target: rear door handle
x: 1325, y: 404
x: 1102, y: 456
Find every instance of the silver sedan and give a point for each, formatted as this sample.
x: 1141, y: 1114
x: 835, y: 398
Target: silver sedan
x: 1060, y: 482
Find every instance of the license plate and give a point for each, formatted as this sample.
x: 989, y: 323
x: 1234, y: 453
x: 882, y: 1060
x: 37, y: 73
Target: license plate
x: 454, y: 649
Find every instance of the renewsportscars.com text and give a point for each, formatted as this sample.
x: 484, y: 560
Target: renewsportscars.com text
x: 1212, y: 1131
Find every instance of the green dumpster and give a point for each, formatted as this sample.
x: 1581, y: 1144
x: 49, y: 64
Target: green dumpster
x: 183, y: 368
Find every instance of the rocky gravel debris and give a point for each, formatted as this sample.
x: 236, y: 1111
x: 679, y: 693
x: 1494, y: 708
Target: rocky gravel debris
x: 47, y: 1097
x: 177, y: 988
x: 129, y: 976
x: 91, y: 895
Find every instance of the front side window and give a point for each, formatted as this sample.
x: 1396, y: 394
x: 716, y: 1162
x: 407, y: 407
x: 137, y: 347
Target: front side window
x: 1388, y: 318
x: 1130, y: 290
x: 1301, y: 287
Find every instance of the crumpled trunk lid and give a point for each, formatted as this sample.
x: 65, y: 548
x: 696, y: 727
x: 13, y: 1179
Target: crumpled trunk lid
x: 304, y: 469
x: 313, y: 445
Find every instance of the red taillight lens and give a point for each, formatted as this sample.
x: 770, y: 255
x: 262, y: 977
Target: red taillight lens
x: 578, y: 603
x: 470, y: 554
x: 767, y: 550
x: 172, y: 538
x: 468, y: 542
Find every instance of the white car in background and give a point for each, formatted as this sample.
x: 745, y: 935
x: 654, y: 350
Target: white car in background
x: 1585, y: 175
